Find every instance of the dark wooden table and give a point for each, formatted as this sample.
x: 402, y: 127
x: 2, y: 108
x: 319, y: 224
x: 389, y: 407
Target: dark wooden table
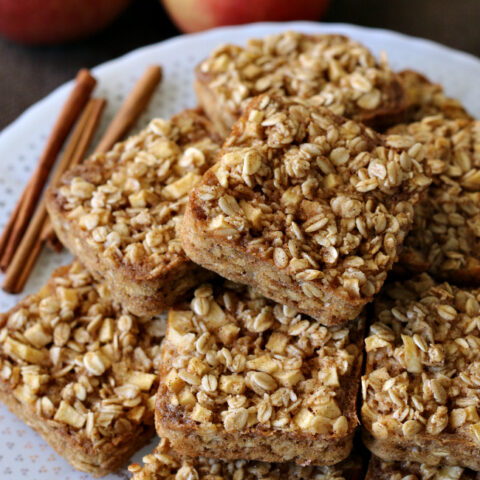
x: 27, y: 74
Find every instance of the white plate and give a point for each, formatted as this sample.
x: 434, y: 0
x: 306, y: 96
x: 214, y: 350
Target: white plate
x: 23, y: 453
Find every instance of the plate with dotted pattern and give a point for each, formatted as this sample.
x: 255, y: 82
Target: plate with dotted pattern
x: 23, y: 453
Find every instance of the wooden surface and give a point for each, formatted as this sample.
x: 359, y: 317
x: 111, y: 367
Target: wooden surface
x: 27, y: 74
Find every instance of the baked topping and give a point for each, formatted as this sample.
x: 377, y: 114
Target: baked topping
x: 452, y: 149
x: 78, y: 360
x: 319, y: 196
x: 423, y: 360
x: 128, y: 202
x: 235, y: 360
x: 332, y: 70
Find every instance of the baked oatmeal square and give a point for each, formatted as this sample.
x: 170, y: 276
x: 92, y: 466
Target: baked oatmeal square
x: 330, y: 70
x: 421, y: 389
x: 118, y: 212
x: 245, y: 378
x: 81, y: 371
x: 445, y: 237
x: 309, y: 208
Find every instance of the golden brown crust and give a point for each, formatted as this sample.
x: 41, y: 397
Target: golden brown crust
x: 312, y: 223
x: 287, y: 394
x: 420, y: 388
x: 330, y: 70
x: 118, y: 212
x: 165, y: 464
x: 80, y: 370
x: 384, y: 470
x: 257, y: 445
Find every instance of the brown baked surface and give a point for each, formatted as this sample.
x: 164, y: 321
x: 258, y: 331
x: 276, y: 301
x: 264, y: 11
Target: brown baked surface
x: 421, y: 386
x: 118, y: 212
x: 383, y: 470
x: 445, y: 237
x: 166, y: 464
x: 308, y: 207
x: 330, y: 70
x: 81, y: 371
x: 426, y: 99
x: 245, y: 378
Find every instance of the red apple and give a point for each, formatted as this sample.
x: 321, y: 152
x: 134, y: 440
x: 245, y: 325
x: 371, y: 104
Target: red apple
x: 196, y: 15
x: 42, y: 22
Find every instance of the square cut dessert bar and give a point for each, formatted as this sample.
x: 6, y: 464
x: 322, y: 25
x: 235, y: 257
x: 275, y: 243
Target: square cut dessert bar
x: 308, y: 207
x: 245, y: 378
x: 421, y: 388
x: 166, y: 464
x: 445, y: 238
x: 330, y: 70
x: 426, y: 99
x: 118, y: 212
x: 384, y: 470
x: 81, y: 371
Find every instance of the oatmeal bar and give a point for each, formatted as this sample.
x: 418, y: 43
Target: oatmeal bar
x: 421, y: 389
x: 308, y: 207
x: 383, y: 470
x: 445, y: 238
x: 331, y: 70
x: 81, y: 371
x: 118, y: 212
x: 245, y: 378
x: 165, y: 464
x: 426, y: 99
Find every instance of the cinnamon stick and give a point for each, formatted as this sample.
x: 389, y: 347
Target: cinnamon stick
x: 30, y: 246
x: 71, y: 110
x: 27, y: 268
x: 40, y: 229
x: 7, y: 230
x: 76, y: 156
x: 131, y: 109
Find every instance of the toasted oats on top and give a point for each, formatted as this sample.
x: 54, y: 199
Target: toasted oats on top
x: 423, y: 365
x: 74, y: 358
x: 331, y: 70
x: 445, y: 238
x: 451, y: 147
x: 234, y: 361
x: 165, y: 464
x: 318, y: 198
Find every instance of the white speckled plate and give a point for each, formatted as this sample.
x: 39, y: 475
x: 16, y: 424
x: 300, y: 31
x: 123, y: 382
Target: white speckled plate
x: 23, y: 453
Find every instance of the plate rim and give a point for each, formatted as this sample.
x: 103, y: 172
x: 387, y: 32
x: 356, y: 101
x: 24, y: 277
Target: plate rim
x: 171, y: 43
x: 37, y: 111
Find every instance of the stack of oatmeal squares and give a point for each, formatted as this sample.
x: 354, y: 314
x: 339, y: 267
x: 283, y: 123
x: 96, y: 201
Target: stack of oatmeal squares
x: 266, y: 222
